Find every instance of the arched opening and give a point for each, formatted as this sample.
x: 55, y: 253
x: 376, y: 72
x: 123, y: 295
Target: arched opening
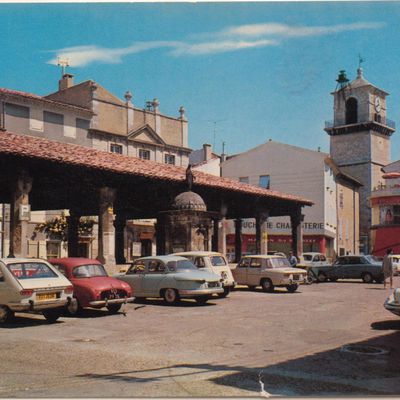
x: 351, y: 111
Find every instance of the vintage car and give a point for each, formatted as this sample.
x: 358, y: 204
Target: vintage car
x: 268, y: 272
x: 172, y: 278
x: 312, y: 259
x: 30, y: 285
x: 213, y: 262
x: 392, y: 303
x: 367, y: 268
x: 92, y: 285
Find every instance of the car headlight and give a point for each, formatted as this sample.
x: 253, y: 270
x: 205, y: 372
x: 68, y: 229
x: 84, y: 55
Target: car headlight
x: 224, y: 275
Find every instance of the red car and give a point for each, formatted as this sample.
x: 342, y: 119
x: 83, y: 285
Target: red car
x: 92, y: 285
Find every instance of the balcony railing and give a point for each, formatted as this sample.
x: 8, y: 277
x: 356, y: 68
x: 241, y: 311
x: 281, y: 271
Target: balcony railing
x: 382, y: 121
x: 386, y: 190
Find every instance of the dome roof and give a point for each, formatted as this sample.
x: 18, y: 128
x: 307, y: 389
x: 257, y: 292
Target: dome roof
x: 189, y: 201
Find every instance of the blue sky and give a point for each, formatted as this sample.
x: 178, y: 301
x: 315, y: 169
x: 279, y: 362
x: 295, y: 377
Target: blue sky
x: 261, y: 70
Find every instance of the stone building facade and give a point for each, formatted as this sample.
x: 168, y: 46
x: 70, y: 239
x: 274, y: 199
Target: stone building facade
x: 330, y: 226
x: 88, y: 115
x: 360, y: 141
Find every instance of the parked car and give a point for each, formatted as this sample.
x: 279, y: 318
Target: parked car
x: 396, y: 264
x: 172, y: 278
x: 268, y: 272
x: 213, y: 262
x: 312, y: 259
x: 30, y: 285
x: 392, y: 303
x: 92, y: 285
x: 367, y: 268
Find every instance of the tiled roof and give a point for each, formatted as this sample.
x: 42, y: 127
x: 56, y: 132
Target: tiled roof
x: 71, y: 154
x: 31, y: 96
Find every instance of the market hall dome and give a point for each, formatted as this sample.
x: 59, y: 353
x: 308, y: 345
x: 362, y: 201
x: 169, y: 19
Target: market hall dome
x: 189, y: 201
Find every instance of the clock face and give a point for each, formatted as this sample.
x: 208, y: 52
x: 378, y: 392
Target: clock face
x: 377, y: 104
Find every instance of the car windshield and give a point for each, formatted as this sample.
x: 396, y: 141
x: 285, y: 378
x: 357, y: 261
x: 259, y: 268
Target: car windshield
x: 89, y: 271
x: 279, y: 262
x: 217, y: 261
x: 373, y: 259
x: 31, y: 270
x: 307, y: 257
x: 181, y: 265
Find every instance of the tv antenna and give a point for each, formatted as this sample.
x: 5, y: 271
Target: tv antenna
x: 63, y: 63
x: 215, y: 121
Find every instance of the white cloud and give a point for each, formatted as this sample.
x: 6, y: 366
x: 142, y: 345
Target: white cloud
x: 233, y: 38
x: 220, y: 47
x: 80, y: 56
x: 274, y: 29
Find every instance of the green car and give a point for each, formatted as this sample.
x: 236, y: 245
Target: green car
x: 171, y: 278
x: 368, y: 268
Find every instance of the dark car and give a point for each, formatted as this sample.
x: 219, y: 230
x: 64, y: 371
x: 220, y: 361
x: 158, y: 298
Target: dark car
x: 367, y: 268
x: 92, y: 285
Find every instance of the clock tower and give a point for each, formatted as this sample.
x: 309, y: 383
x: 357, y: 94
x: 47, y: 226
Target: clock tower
x: 360, y: 139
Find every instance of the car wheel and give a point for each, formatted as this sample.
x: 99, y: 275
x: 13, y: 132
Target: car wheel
x: 51, y: 315
x: 267, y: 285
x: 114, y: 308
x: 367, y: 277
x: 202, y: 299
x: 225, y: 293
x: 74, y: 308
x: 171, y: 296
x: 322, y: 277
x: 6, y: 315
x: 292, y: 288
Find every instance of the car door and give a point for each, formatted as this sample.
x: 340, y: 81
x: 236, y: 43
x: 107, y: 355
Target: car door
x: 134, y: 277
x: 155, y: 273
x: 254, y: 272
x: 338, y: 270
x: 8, y: 291
x: 240, y: 272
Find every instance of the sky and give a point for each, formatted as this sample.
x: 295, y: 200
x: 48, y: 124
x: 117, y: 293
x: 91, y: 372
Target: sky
x: 245, y: 72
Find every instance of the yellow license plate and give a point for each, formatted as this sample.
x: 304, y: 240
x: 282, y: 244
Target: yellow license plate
x: 45, y: 296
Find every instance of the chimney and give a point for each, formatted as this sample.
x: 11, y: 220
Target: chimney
x: 207, y: 152
x: 66, y: 82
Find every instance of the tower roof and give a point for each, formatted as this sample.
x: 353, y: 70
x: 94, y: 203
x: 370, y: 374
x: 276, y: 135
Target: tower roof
x: 359, y: 82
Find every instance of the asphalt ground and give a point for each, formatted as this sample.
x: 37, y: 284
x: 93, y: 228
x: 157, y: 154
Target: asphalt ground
x: 251, y: 343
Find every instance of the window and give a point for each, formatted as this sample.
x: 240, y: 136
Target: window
x: 53, y: 118
x: 351, y: 111
x: 255, y: 263
x: 244, y: 262
x: 116, y: 148
x: 144, y: 154
x: 169, y: 159
x: 264, y: 181
x: 244, y: 179
x: 16, y: 110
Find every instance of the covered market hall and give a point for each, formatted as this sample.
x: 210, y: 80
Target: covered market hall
x: 40, y: 174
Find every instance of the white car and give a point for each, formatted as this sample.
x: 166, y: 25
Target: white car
x: 30, y: 285
x: 392, y: 303
x: 312, y: 259
x: 213, y: 262
x: 268, y: 272
x: 396, y: 263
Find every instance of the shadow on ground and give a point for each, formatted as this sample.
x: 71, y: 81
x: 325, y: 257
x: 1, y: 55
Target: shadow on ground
x: 330, y: 373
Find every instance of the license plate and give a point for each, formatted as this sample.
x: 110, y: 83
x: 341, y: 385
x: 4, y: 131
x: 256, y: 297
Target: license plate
x: 45, y: 296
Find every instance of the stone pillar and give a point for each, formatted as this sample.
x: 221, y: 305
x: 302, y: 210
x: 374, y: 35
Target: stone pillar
x: 296, y: 220
x: 160, y: 236
x: 73, y: 237
x: 106, y: 250
x: 18, y: 222
x: 215, y: 237
x: 222, y: 237
x: 119, y: 224
x: 238, y: 239
x: 261, y: 233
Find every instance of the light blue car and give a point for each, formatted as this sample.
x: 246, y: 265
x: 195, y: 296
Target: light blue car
x: 172, y: 278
